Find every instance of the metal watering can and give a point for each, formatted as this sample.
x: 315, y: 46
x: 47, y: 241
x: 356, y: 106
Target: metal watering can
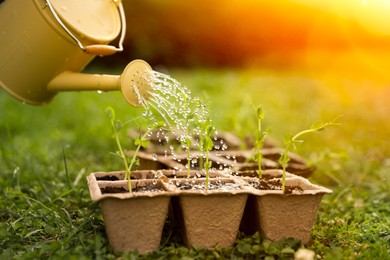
x: 44, y: 44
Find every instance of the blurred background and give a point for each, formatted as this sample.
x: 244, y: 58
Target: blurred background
x: 302, y: 60
x: 349, y: 37
x: 323, y: 52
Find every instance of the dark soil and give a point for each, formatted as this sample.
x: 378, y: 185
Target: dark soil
x: 107, y: 178
x: 110, y: 190
x: 270, y: 183
x: 189, y: 185
x: 150, y: 187
x: 113, y: 178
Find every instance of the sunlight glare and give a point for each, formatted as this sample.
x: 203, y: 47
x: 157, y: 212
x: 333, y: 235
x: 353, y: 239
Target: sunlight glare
x: 373, y: 15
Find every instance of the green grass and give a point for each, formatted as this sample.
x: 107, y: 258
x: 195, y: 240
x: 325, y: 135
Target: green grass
x: 46, y: 152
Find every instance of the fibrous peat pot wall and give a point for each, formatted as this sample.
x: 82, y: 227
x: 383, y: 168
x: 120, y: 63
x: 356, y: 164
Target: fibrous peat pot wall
x: 135, y: 224
x: 287, y: 216
x: 211, y: 221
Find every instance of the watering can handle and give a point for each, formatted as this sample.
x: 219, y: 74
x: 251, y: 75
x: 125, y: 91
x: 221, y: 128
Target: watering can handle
x: 98, y: 49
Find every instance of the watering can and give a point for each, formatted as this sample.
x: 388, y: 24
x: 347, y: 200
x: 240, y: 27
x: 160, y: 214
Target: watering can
x: 44, y: 44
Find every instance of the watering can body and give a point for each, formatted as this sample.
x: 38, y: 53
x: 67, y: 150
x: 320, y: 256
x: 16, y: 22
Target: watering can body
x: 42, y: 40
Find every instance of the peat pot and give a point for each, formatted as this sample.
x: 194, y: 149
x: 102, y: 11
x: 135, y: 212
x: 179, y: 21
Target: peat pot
x: 276, y: 215
x: 133, y: 221
x: 209, y: 218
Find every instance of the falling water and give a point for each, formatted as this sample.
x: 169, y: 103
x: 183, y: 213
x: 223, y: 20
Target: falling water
x: 182, y: 114
x: 173, y: 102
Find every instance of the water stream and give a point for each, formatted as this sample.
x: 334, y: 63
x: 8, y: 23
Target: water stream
x: 184, y: 115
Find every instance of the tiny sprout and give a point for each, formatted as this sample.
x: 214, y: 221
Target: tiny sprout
x: 291, y: 140
x: 110, y: 113
x: 206, y: 144
x: 260, y: 113
x: 188, y: 143
x: 159, y: 124
x: 141, y: 141
x: 259, y: 141
x: 116, y: 126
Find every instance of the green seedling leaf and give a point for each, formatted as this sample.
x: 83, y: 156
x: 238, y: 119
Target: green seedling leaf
x: 317, y: 126
x: 284, y: 159
x: 260, y: 138
x: 139, y: 141
x: 118, y: 125
x: 110, y: 113
x: 208, y: 144
x: 117, y: 154
x: 207, y: 165
x: 209, y: 130
x: 145, y: 143
x: 160, y: 124
x: 258, y: 157
x: 188, y: 141
x: 260, y: 113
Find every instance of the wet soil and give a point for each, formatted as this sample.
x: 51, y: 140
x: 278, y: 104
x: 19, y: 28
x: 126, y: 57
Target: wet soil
x: 270, y: 183
x: 113, y: 178
x: 222, y: 186
x: 108, y: 178
x: 151, y: 187
x: 110, y: 190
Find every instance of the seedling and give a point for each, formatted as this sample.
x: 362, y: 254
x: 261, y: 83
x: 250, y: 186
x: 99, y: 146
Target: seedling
x: 140, y: 141
x: 259, y: 142
x: 187, y: 142
x: 206, y: 144
x: 186, y: 139
x: 291, y: 141
x: 195, y: 120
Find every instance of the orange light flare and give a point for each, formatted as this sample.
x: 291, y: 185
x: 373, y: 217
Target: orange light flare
x: 343, y: 44
x: 337, y: 41
x: 349, y: 37
x: 355, y: 35
x: 349, y: 48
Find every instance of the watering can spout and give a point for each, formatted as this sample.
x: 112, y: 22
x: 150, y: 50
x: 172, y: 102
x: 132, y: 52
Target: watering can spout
x: 49, y: 42
x: 135, y: 82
